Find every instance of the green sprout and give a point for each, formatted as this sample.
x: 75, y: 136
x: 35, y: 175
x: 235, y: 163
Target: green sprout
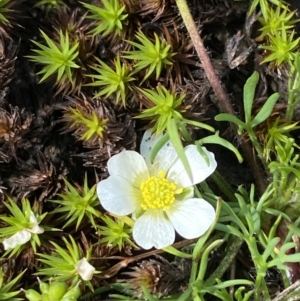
x: 115, y: 233
x: 88, y: 126
x: 58, y: 57
x: 114, y: 81
x: 276, y: 20
x: 282, y: 47
x: 23, y: 227
x: 6, y: 292
x: 3, y: 11
x: 265, y: 6
x: 153, y: 56
x: 78, y: 203
x: 278, y: 136
x: 51, y: 4
x: 110, y: 17
x: 67, y: 263
x: 164, y: 109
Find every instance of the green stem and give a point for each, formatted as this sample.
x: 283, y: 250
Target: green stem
x: 258, y: 148
x: 293, y: 83
x: 225, y: 263
x: 200, y: 243
x: 204, y: 260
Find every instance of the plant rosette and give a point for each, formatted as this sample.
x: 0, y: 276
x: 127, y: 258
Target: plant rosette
x: 159, y: 195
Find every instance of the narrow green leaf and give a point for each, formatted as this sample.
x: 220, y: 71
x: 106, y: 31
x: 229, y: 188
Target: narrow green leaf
x: 266, y: 110
x: 270, y: 248
x: 199, y: 124
x: 249, y: 93
x: 175, y: 139
x: 216, y: 139
x: 160, y: 143
x: 230, y: 118
x: 229, y: 283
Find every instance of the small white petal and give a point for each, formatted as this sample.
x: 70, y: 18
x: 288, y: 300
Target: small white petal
x: 118, y: 196
x: 85, y: 269
x: 19, y: 238
x: 192, y: 217
x: 129, y: 165
x: 199, y: 167
x: 166, y: 156
x: 152, y: 229
x: 34, y: 225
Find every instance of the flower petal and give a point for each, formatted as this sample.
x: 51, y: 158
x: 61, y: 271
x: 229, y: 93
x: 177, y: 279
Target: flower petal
x: 118, y: 196
x: 148, y: 141
x: 199, y: 167
x: 34, y: 225
x: 152, y: 229
x: 129, y: 165
x: 19, y: 238
x: 192, y: 217
x: 85, y: 269
x: 164, y: 158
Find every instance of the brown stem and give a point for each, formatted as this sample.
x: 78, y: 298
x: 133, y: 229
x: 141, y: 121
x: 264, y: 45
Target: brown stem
x: 223, y: 100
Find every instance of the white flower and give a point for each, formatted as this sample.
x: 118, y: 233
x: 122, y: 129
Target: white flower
x: 159, y: 195
x: 85, y: 269
x: 23, y: 236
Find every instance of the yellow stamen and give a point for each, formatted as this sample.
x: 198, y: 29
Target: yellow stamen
x: 158, y: 192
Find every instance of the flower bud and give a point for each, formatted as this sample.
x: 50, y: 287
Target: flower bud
x: 72, y: 293
x: 32, y: 295
x: 57, y: 290
x: 44, y: 287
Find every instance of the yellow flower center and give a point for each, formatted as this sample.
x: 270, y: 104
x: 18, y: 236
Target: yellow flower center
x: 158, y: 192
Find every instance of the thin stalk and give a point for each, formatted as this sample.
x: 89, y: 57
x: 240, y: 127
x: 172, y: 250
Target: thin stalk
x: 225, y: 263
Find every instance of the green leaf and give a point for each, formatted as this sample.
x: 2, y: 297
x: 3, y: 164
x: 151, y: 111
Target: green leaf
x: 249, y: 93
x: 156, y: 148
x: 235, y: 231
x: 216, y: 139
x: 230, y: 118
x: 266, y: 110
x: 175, y: 139
x: 270, y: 249
x: 199, y: 124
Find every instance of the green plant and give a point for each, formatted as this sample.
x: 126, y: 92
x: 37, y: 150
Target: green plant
x: 249, y: 224
x: 50, y: 4
x: 116, y: 233
x: 6, y: 292
x: 110, y: 18
x: 250, y: 122
x: 153, y: 56
x: 265, y: 6
x: 77, y: 203
x: 22, y: 227
x: 276, y: 20
x: 166, y: 106
x: 87, y: 126
x: 4, y: 11
x: 278, y: 134
x: 68, y: 263
x: 114, y: 81
x: 58, y: 57
x: 282, y: 47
